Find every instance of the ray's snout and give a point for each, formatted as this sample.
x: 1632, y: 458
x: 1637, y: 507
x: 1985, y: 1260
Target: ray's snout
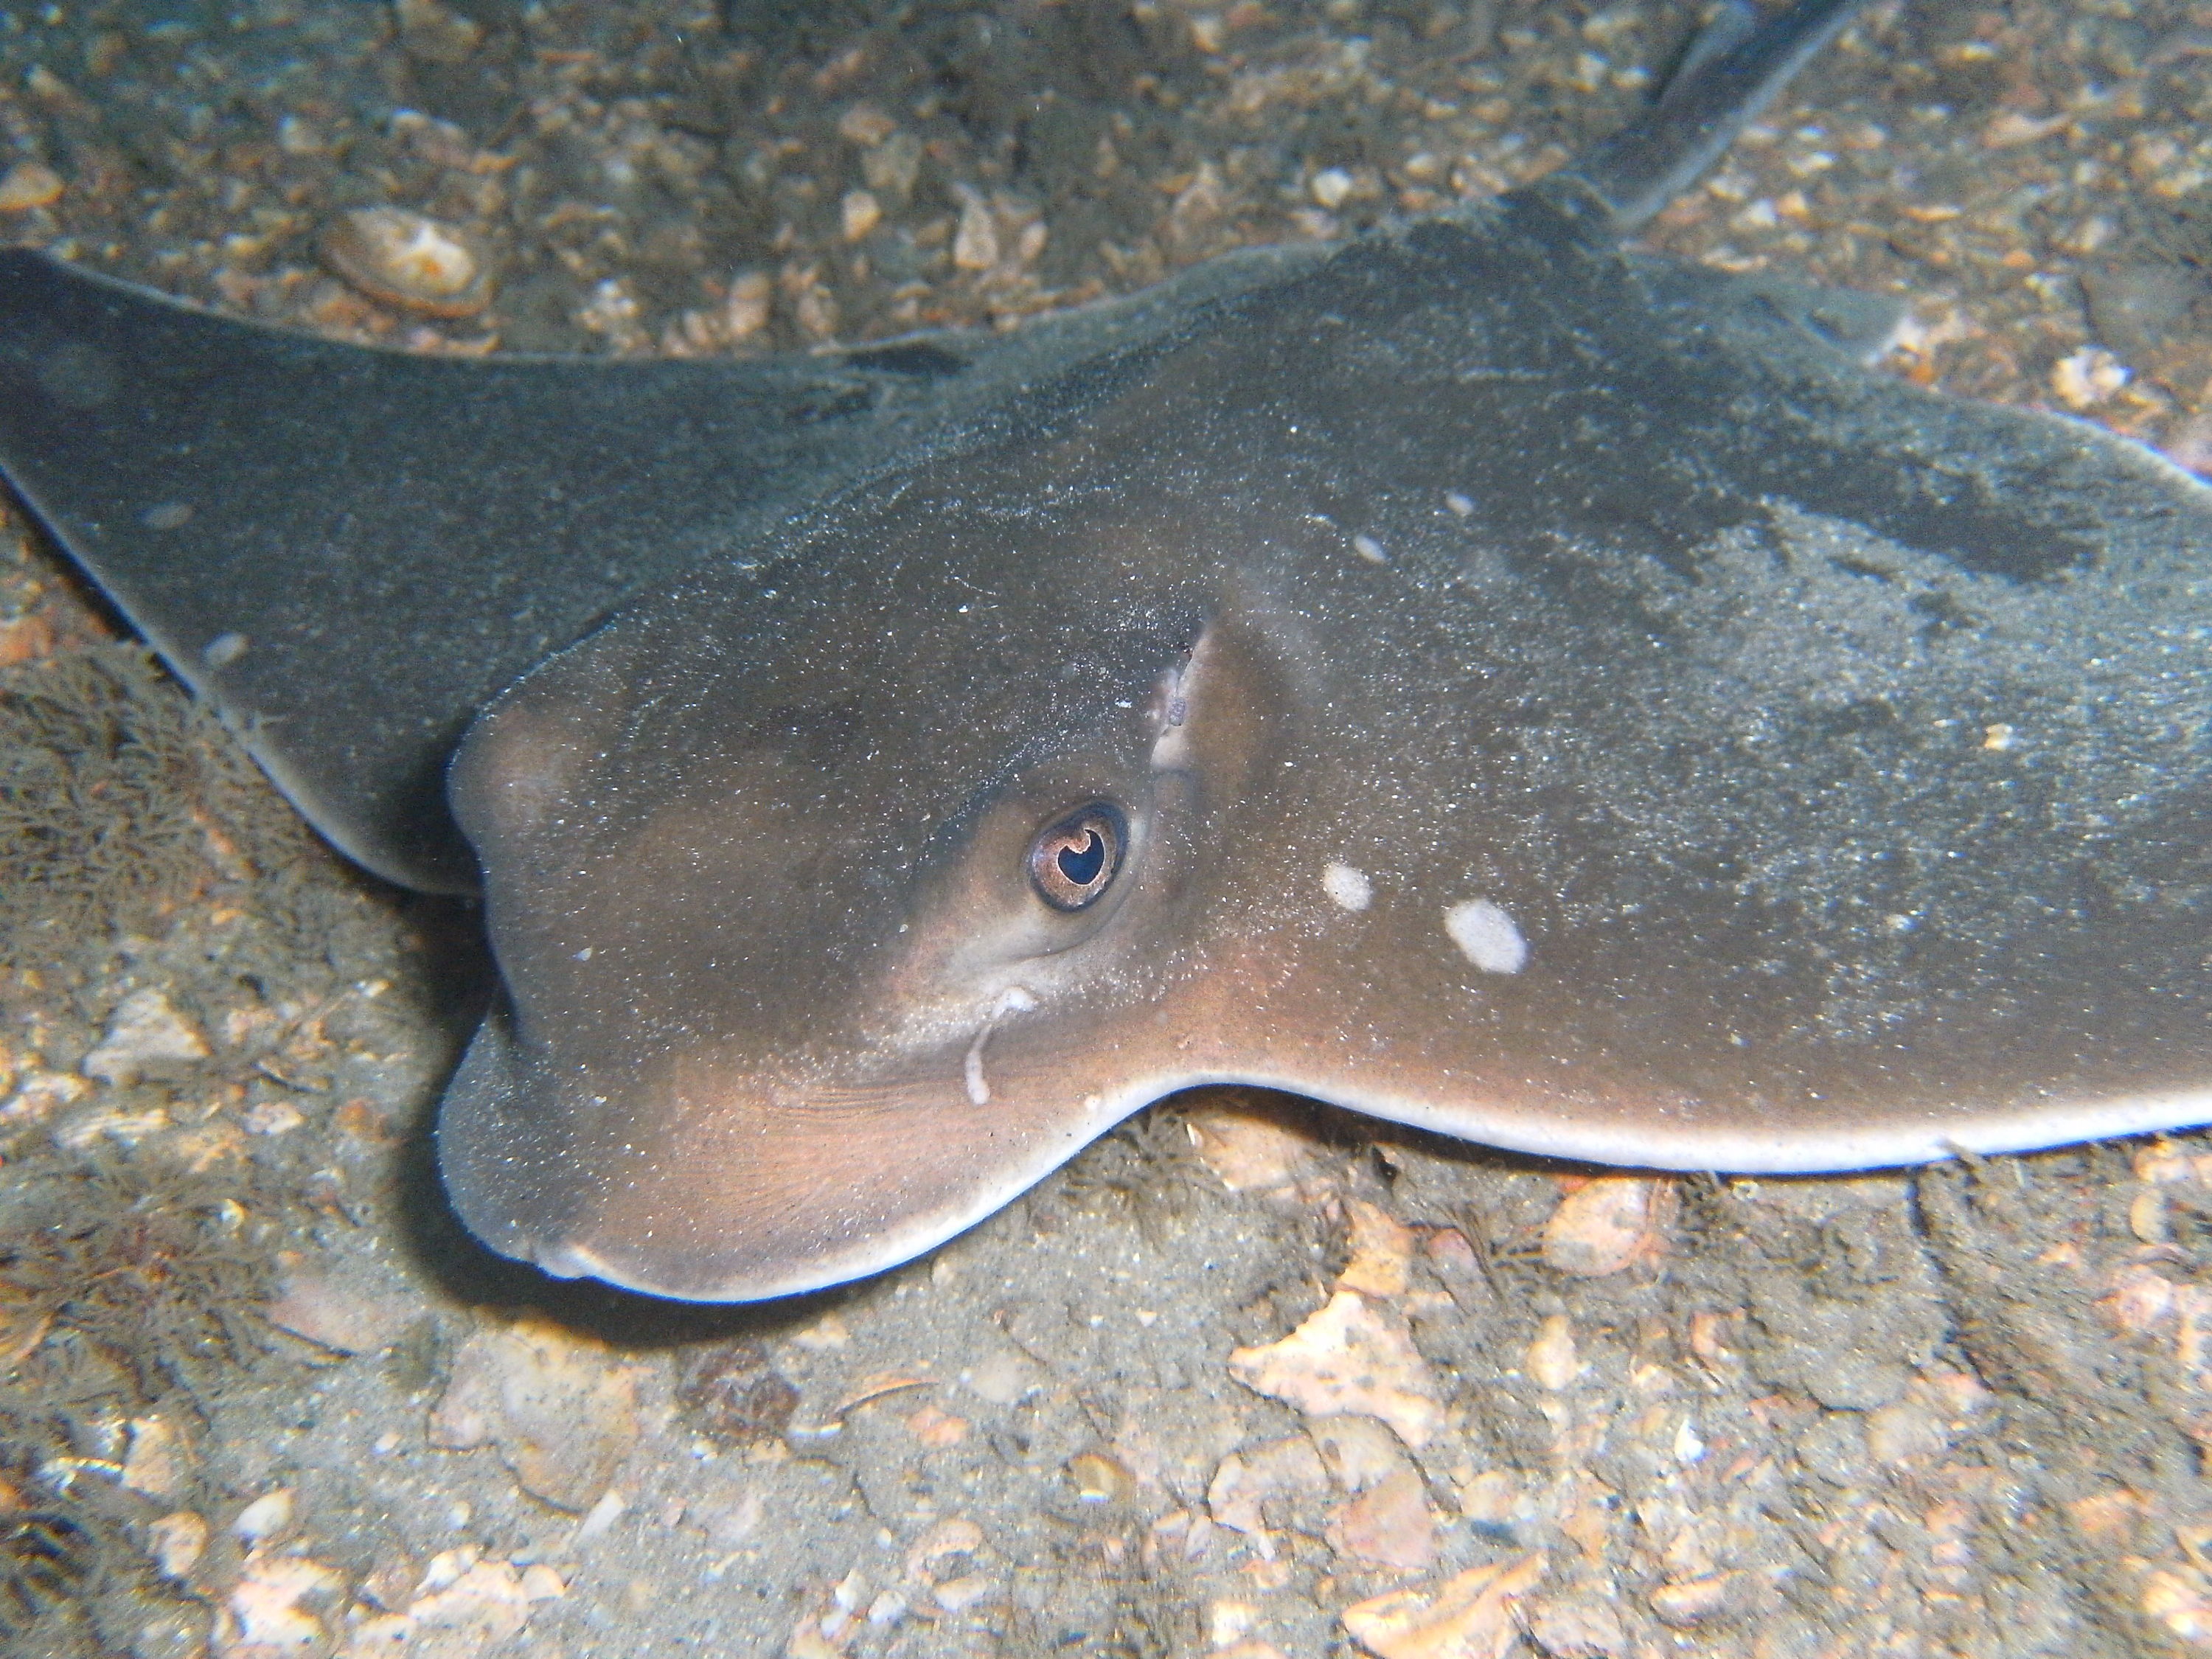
x: 697, y: 1186
x: 511, y: 1181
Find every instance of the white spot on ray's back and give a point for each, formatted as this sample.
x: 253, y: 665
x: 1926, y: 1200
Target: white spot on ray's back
x: 1348, y: 887
x: 1369, y: 549
x: 1487, y: 937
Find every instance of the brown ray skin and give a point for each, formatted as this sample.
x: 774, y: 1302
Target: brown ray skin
x: 1685, y: 648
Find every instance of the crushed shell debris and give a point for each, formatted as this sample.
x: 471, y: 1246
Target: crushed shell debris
x: 409, y: 259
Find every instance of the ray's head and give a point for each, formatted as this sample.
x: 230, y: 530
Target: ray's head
x: 833, y: 914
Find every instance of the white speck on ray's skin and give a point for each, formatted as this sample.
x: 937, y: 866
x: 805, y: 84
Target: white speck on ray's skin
x: 1011, y: 1001
x: 1348, y: 887
x: 1486, y: 936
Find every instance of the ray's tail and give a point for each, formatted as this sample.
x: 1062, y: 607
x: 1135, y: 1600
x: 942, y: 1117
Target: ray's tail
x: 1732, y: 72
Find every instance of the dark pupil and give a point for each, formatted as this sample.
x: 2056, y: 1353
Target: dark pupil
x: 1081, y: 864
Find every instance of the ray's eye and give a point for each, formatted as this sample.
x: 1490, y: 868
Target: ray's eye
x: 1074, y: 860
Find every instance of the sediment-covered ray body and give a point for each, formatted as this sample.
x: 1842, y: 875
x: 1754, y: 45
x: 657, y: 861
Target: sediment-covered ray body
x: 1483, y: 685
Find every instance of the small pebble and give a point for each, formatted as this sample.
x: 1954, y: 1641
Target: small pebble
x: 866, y: 124
x: 28, y: 184
x: 960, y: 1594
x: 145, y: 1036
x: 445, y: 1569
x: 1331, y: 187
x: 975, y: 245
x: 861, y: 213
x: 409, y: 259
x: 128, y: 1127
x: 1244, y: 1482
x: 1381, y: 1252
x: 751, y: 299
x: 2089, y: 377
x: 825, y: 1333
x: 1254, y: 1148
x: 336, y: 1305
x: 952, y: 1536
x: 2180, y: 1604
x: 729, y: 1527
x: 1552, y: 1359
x: 265, y: 1604
x: 25, y: 639
x: 1099, y: 1479
x: 265, y: 1516
x: 2147, y: 1217
x: 815, y: 312
x: 176, y: 1542
x: 1713, y: 1599
x: 272, y: 1117
x: 601, y: 1515
x: 1002, y: 1377
x: 937, y: 1428
x: 561, y: 1408
x: 2014, y: 126
x: 155, y: 1464
x: 1855, y: 1380
x: 892, y: 166
x: 1604, y: 1226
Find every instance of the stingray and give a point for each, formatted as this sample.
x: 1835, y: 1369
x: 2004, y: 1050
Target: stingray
x: 1469, y: 675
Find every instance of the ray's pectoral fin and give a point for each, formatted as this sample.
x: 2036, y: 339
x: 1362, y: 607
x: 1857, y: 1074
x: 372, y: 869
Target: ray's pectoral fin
x: 284, y: 517
x: 761, y: 1039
